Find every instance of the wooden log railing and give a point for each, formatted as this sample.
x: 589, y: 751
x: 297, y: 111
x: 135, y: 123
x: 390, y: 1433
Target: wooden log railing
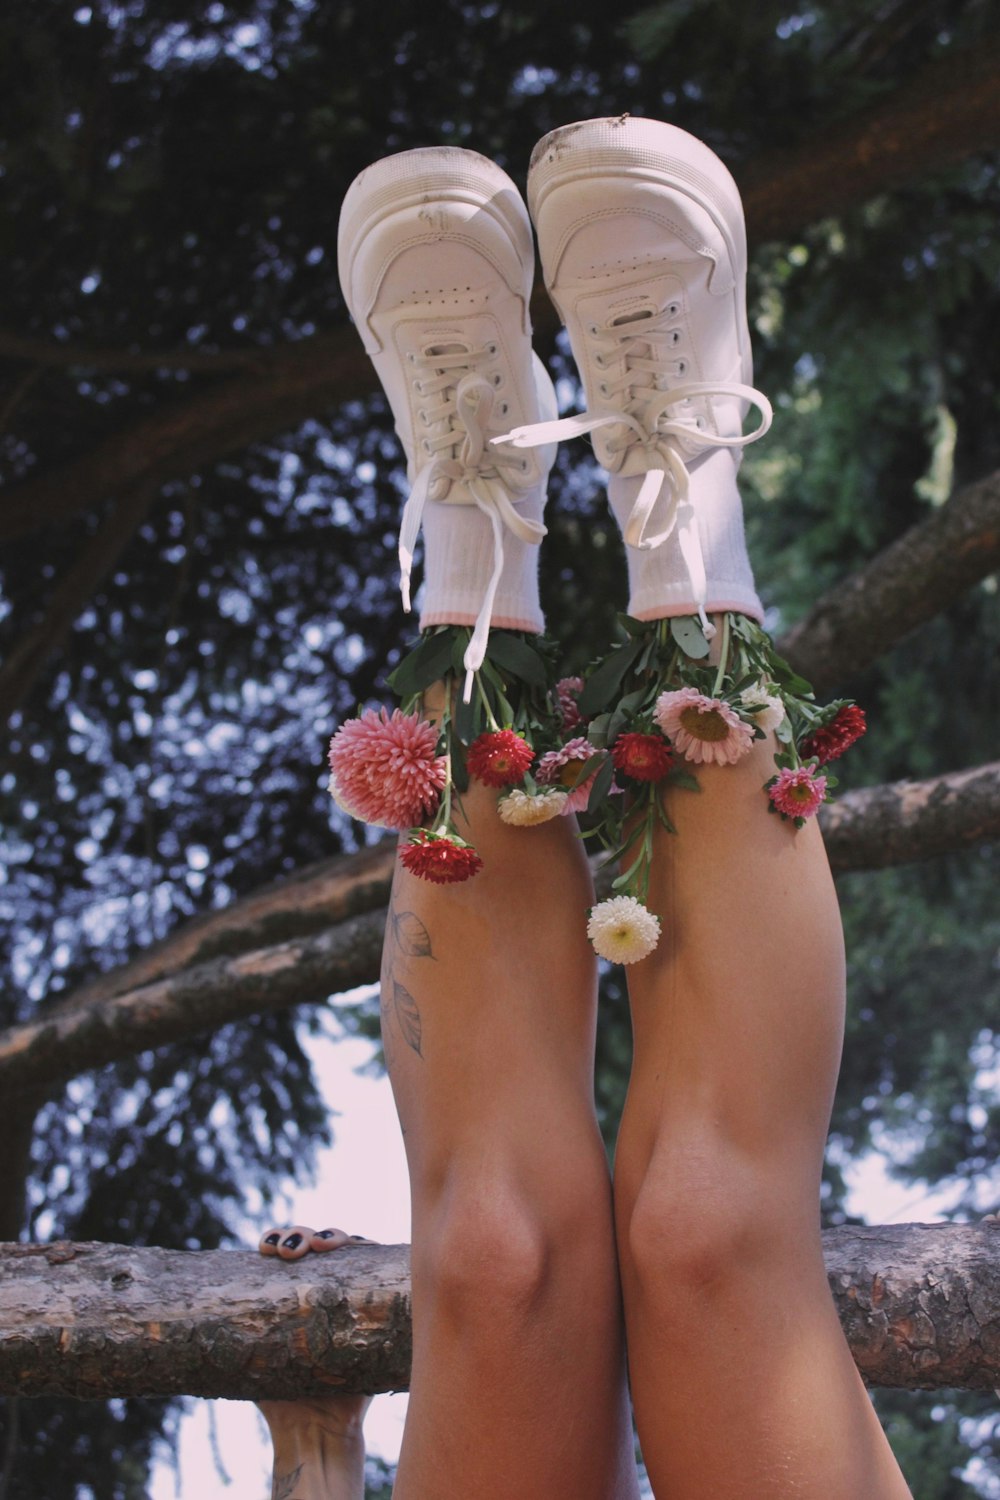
x: 919, y: 1303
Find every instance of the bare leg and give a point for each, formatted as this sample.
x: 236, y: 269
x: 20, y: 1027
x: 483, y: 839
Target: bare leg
x: 743, y: 1384
x: 488, y: 1022
x: 319, y: 1447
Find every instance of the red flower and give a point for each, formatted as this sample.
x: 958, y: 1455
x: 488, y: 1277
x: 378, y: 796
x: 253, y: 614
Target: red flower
x: 830, y: 742
x: 439, y: 857
x: 646, y: 757
x: 500, y: 758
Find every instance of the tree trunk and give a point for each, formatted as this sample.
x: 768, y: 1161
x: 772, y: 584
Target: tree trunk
x: 919, y: 1303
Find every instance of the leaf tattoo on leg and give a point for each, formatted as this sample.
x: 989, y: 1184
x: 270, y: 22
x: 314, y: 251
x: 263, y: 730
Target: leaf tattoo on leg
x: 283, y: 1485
x: 406, y: 937
x: 407, y: 1015
x: 410, y: 934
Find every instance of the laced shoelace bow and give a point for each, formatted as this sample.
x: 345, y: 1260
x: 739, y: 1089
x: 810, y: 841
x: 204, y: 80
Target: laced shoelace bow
x: 646, y: 415
x: 457, y: 440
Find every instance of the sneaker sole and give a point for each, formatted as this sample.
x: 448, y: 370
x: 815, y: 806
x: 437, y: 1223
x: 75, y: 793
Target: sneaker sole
x: 654, y: 152
x: 412, y: 185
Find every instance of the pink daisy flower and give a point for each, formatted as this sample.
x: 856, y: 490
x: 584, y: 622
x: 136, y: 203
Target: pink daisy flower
x: 385, y: 768
x: 798, y: 793
x: 440, y: 857
x: 703, y: 730
x: 499, y: 758
x: 564, y: 767
x: 568, y: 690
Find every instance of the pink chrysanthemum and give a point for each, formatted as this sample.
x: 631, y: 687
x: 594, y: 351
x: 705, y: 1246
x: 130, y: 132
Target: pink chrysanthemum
x: 385, y: 768
x: 703, y: 730
x: 500, y: 758
x: 564, y: 767
x: 440, y: 857
x: 798, y: 793
x: 830, y: 742
x: 646, y: 757
x: 568, y: 690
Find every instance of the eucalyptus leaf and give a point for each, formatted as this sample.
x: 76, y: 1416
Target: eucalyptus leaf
x: 602, y: 785
x: 689, y: 636
x: 516, y: 657
x: 607, y: 678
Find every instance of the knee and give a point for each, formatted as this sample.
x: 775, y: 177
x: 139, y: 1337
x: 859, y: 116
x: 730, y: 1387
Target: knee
x: 701, y: 1226
x: 495, y: 1247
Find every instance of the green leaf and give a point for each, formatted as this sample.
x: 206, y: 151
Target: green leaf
x: 459, y: 770
x: 677, y: 777
x: 607, y: 678
x: 597, y: 731
x: 431, y: 660
x: 602, y: 784
x: 516, y: 657
x: 464, y: 718
x: 689, y: 636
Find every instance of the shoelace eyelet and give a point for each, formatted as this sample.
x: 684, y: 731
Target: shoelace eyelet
x: 675, y: 337
x: 491, y: 350
x: 673, y: 308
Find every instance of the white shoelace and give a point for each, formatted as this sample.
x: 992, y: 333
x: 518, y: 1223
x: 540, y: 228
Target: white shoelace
x: 456, y: 441
x: 642, y: 415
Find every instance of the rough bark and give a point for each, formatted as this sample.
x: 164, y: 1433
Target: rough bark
x: 222, y: 967
x: 195, y: 1000
x: 920, y: 1304
x: 910, y: 820
x: 897, y: 139
x: 313, y: 899
x: 910, y: 581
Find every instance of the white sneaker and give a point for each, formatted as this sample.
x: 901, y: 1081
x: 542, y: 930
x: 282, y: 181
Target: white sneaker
x: 643, y: 248
x: 436, y: 264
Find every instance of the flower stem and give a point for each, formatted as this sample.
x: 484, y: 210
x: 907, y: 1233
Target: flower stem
x: 723, y: 655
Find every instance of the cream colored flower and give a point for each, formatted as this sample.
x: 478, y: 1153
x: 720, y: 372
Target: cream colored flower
x: 524, y: 811
x: 623, y: 930
x: 763, y: 707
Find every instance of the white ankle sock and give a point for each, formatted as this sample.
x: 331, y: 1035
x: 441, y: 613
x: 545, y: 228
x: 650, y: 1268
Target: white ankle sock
x: 659, y: 580
x: 458, y: 563
x: 459, y: 550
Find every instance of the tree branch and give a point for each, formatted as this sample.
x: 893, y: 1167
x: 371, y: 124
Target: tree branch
x: 201, y: 998
x: 945, y: 113
x: 910, y: 820
x: 909, y: 582
x: 918, y: 1303
x: 278, y: 948
x: 898, y: 139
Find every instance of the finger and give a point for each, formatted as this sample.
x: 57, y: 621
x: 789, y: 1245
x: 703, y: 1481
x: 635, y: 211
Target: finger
x: 329, y: 1239
x: 295, y: 1242
x: 269, y: 1241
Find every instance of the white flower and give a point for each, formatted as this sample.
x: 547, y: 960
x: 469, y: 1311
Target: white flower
x: 522, y: 810
x: 763, y: 707
x: 346, y: 807
x: 623, y: 930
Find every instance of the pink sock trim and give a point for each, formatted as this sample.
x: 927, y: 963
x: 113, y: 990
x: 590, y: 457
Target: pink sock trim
x: 500, y: 622
x: 713, y: 607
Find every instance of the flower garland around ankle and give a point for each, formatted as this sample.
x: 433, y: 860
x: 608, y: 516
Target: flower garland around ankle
x: 400, y: 771
x: 656, y: 708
